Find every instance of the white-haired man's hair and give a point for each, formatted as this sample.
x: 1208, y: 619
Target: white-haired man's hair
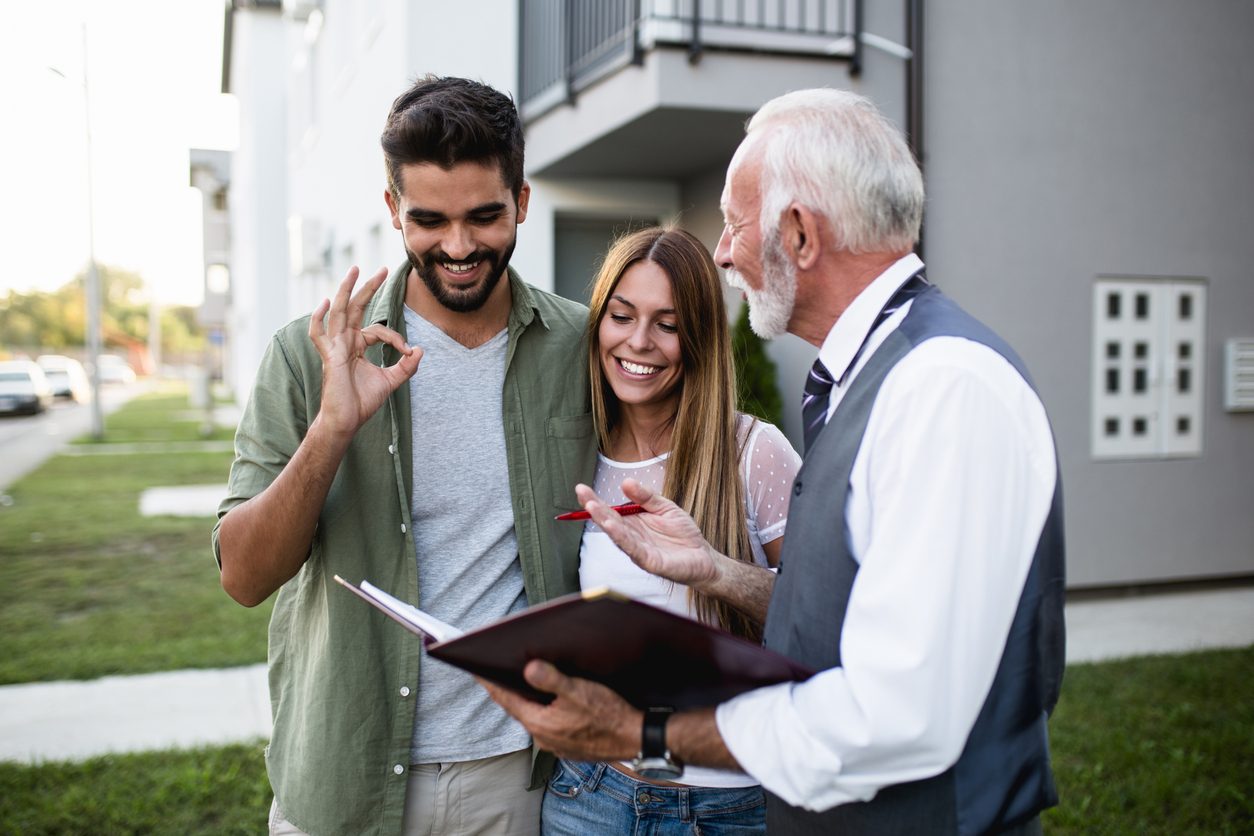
x: 833, y: 152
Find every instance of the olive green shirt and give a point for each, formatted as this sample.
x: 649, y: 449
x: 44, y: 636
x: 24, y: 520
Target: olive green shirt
x: 342, y: 675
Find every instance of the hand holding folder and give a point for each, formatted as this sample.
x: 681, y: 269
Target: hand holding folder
x: 650, y: 656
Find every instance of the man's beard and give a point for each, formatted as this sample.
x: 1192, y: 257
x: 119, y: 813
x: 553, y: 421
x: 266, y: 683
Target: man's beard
x: 461, y: 300
x: 770, y: 308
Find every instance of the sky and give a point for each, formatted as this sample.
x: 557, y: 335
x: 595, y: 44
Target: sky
x: 154, y: 88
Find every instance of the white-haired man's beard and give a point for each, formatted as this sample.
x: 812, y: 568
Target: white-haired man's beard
x: 770, y: 308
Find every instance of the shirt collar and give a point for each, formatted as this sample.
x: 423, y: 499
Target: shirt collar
x: 523, y: 308
x: 849, y: 332
x: 387, y: 305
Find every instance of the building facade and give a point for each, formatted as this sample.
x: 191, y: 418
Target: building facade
x: 1087, y: 168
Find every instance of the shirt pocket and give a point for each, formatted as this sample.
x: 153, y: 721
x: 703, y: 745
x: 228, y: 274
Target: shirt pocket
x: 571, y: 452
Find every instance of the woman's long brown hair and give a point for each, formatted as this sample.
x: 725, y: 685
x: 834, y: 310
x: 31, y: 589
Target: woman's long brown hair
x: 702, y: 473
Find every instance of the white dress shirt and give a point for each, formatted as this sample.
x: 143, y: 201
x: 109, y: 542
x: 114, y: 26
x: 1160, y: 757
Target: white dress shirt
x: 949, y: 492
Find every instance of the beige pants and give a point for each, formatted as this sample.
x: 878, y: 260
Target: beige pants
x: 487, y: 796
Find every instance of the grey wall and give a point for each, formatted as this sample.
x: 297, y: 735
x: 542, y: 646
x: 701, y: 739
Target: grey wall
x: 1071, y: 139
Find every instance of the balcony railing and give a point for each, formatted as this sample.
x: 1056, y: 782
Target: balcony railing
x: 566, y: 45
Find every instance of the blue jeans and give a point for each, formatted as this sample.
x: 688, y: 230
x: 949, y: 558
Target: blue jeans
x: 594, y: 798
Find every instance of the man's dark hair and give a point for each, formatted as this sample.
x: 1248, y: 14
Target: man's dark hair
x: 447, y: 121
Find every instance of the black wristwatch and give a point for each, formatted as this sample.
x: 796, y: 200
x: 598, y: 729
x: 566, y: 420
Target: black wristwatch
x: 655, y: 760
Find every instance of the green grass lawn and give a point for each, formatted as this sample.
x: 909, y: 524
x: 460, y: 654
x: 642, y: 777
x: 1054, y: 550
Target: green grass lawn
x: 1161, y: 744
x: 1158, y: 746
x: 211, y: 791
x: 88, y: 587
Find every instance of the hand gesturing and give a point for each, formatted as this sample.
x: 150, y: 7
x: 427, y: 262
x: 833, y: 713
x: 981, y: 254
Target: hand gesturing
x: 664, y: 541
x: 353, y: 388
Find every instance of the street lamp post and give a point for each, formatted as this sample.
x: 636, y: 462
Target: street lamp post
x: 93, y: 274
x: 92, y: 290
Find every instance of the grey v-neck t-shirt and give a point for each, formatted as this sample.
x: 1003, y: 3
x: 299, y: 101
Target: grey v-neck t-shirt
x: 463, y: 529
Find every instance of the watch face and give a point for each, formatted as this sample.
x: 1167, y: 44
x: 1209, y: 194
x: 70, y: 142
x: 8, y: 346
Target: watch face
x: 657, y: 769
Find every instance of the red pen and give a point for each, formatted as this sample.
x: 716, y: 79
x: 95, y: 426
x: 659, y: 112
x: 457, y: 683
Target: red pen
x: 626, y: 510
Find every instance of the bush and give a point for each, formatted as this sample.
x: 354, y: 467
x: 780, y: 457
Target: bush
x: 756, y: 389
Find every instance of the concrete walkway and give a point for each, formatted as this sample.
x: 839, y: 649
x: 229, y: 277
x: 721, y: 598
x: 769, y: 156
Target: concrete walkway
x: 1169, y: 622
x: 182, y: 501
x: 76, y: 720
x: 48, y: 721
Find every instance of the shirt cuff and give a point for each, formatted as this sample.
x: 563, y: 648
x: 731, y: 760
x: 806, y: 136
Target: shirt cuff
x: 747, y: 728
x: 765, y: 734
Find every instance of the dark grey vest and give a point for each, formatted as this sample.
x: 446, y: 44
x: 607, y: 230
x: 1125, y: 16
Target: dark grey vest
x: 1003, y: 776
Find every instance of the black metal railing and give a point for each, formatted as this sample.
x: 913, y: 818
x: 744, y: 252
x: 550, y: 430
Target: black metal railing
x: 566, y: 45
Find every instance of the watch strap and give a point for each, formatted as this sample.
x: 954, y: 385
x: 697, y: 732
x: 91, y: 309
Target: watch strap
x: 653, y: 733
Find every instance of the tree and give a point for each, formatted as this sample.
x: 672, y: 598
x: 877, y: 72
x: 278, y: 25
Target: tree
x: 56, y: 321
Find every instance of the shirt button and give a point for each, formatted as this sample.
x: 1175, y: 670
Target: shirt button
x: 398, y: 769
x: 402, y: 528
x: 404, y: 690
x: 392, y: 449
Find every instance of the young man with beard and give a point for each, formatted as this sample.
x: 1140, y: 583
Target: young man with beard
x: 922, y: 569
x: 420, y: 434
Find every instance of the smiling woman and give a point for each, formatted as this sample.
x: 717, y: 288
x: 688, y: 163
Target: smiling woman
x: 639, y: 339
x: 663, y: 402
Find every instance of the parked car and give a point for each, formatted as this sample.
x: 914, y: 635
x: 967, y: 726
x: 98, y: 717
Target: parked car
x: 113, y: 369
x: 23, y: 387
x: 66, y: 376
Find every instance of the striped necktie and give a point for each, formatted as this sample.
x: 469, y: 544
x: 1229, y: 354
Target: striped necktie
x: 818, y: 388
x: 814, y: 402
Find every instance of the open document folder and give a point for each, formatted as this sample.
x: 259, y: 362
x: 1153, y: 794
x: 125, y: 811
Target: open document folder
x: 650, y: 656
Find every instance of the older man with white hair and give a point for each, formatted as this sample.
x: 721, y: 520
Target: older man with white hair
x: 922, y: 572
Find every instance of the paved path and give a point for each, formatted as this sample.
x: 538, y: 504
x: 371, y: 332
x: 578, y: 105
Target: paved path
x: 1174, y: 622
x: 75, y: 720
x: 26, y: 442
x: 122, y: 448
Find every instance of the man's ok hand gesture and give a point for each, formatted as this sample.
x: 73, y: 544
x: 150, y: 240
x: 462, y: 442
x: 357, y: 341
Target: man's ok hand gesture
x: 353, y: 388
x: 265, y: 541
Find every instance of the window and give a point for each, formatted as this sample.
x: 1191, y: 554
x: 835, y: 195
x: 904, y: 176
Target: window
x: 1148, y: 341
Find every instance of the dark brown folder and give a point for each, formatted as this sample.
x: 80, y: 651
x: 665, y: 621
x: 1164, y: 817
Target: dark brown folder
x: 650, y: 656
